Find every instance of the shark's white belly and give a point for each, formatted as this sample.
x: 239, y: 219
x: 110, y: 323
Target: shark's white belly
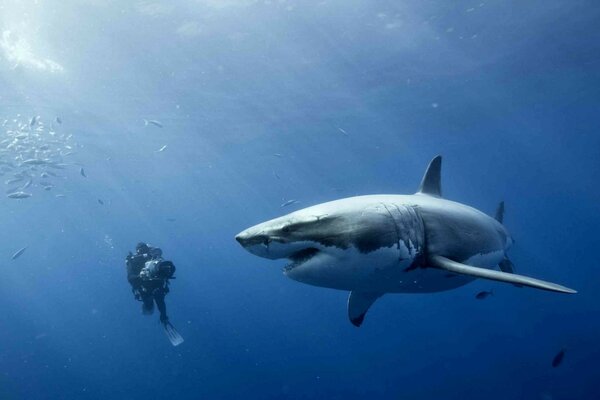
x: 381, y: 271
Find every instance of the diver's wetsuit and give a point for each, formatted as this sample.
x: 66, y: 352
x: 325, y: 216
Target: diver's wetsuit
x: 147, y: 291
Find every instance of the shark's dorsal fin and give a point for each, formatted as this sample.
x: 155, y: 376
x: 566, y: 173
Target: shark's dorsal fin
x: 458, y: 268
x: 432, y: 183
x: 500, y: 212
x: 358, y: 305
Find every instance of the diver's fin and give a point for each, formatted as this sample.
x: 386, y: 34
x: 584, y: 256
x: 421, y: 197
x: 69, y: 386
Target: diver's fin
x: 358, y: 305
x: 507, y: 266
x: 458, y: 268
x: 431, y: 183
x: 174, y: 336
x: 500, y: 212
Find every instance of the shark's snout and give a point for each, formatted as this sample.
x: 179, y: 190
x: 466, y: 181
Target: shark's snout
x: 272, y: 239
x: 256, y: 241
x: 248, y: 239
x: 242, y: 238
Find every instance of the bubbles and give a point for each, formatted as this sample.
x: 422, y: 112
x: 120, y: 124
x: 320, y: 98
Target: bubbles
x: 108, y: 241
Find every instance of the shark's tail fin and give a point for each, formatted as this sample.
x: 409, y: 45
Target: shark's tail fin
x: 507, y: 266
x: 500, y: 212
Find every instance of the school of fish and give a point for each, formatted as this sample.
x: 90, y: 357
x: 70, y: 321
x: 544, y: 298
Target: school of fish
x: 33, y: 155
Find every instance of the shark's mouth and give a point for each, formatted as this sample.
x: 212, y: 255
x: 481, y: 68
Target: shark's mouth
x: 300, y: 257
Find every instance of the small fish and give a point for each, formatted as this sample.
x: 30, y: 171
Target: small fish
x: 58, y: 120
x: 34, y: 161
x: 18, y: 253
x: 162, y: 149
x: 18, y: 195
x: 289, y: 203
x: 277, y: 155
x: 82, y: 172
x: 153, y: 122
x: 343, y: 131
x: 484, y: 294
x: 14, y: 180
x: 33, y: 121
x: 26, y: 185
x: 100, y: 201
x: 60, y: 196
x: 171, y: 219
x: 558, y: 358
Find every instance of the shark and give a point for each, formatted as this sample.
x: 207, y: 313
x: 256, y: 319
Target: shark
x: 376, y: 244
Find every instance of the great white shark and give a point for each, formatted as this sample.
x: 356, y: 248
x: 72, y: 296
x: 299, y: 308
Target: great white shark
x: 377, y: 244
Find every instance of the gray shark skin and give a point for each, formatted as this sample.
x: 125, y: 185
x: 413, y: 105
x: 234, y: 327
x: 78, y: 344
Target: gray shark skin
x: 377, y: 244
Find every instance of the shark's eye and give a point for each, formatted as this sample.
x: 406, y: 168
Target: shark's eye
x: 285, y: 229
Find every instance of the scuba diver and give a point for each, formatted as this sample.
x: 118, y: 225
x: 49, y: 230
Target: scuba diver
x: 149, y: 275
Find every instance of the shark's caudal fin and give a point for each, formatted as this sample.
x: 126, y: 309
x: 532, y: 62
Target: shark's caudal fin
x: 500, y: 212
x: 458, y: 268
x: 507, y: 266
x: 358, y: 305
x: 432, y: 183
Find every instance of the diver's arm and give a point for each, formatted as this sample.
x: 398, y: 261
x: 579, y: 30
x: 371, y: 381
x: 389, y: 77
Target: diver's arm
x: 133, y: 276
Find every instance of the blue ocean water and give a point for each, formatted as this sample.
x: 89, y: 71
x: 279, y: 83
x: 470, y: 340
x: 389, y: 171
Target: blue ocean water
x: 265, y: 101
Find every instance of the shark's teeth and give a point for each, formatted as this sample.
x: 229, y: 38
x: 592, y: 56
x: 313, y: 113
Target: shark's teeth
x: 300, y: 257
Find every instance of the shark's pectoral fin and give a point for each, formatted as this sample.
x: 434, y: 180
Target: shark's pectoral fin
x: 358, y: 305
x: 458, y: 268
